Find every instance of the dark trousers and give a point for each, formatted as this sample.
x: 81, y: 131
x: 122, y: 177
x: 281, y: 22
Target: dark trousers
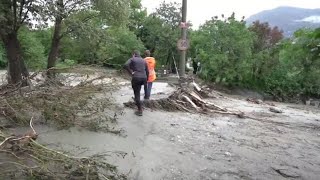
x: 147, y: 90
x: 136, y: 86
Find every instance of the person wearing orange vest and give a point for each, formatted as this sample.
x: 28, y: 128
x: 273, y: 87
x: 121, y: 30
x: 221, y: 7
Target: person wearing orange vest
x: 151, y: 63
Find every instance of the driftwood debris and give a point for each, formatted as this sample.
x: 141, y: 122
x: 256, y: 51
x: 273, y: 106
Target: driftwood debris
x: 16, y: 142
x: 180, y: 100
x: 186, y: 99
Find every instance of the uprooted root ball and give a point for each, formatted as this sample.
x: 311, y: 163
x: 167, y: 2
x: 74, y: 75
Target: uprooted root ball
x: 181, y: 100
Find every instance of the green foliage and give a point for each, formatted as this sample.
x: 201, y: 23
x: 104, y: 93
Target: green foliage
x: 170, y: 13
x: 44, y: 37
x: 35, y: 46
x: 66, y: 63
x: 283, y: 81
x: 92, y: 42
x: 257, y: 57
x: 160, y: 32
x: 137, y: 16
x: 298, y: 72
x: 120, y: 47
x: 107, y: 31
x: 265, y: 51
x: 3, y: 58
x: 11, y: 21
x: 32, y: 49
x: 225, y: 50
x: 113, y: 12
x: 161, y: 38
x: 85, y: 33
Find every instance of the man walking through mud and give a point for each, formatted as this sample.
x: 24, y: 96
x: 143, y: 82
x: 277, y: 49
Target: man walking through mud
x: 138, y: 69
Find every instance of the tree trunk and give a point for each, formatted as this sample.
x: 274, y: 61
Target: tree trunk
x: 55, y: 44
x: 24, y: 70
x: 13, y: 51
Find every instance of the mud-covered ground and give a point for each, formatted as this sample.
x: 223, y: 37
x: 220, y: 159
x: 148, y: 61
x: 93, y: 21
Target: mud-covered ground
x: 162, y: 145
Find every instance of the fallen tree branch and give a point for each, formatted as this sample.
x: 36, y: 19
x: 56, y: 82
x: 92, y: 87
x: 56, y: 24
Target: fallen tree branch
x: 18, y: 164
x: 57, y: 152
x: 31, y: 126
x: 5, y: 140
x: 9, y: 152
x: 23, y: 140
x: 190, y: 101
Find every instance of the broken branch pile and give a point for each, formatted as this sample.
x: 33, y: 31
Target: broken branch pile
x: 23, y: 157
x: 73, y: 99
x: 70, y: 99
x: 186, y: 100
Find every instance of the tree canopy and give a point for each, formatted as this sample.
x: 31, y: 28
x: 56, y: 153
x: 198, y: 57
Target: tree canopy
x: 39, y: 34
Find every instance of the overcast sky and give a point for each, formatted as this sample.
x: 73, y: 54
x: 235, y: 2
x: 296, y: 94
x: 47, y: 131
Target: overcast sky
x: 201, y: 10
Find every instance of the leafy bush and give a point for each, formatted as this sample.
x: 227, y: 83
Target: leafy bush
x: 32, y: 49
x: 256, y: 57
x: 298, y: 71
x: 225, y: 50
x: 120, y: 46
x: 66, y: 63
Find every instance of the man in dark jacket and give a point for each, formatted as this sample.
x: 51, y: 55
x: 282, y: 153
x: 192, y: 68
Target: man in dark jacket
x: 138, y: 68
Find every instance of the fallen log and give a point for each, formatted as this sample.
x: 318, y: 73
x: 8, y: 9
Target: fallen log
x: 196, y: 86
x: 191, y: 102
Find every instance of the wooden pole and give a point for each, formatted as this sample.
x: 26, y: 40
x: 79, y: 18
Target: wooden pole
x: 182, y: 64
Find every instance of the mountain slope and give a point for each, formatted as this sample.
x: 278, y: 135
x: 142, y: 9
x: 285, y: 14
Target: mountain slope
x: 289, y: 19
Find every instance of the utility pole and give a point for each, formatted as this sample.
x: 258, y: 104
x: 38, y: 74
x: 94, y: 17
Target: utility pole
x: 183, y: 43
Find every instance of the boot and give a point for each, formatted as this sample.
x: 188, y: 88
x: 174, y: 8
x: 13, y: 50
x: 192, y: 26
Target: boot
x: 139, y: 112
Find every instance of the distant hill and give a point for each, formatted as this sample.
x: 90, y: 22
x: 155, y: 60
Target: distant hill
x: 289, y: 19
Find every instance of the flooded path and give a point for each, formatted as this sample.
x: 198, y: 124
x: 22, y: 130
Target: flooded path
x: 162, y: 145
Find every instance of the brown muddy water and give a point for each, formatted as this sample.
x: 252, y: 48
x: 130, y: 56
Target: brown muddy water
x: 162, y: 145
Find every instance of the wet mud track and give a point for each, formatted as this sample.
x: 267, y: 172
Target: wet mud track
x: 162, y: 145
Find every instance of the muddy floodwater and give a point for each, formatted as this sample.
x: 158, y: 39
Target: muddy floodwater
x: 162, y: 145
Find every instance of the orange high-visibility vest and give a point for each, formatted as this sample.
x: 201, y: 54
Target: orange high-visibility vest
x: 151, y: 62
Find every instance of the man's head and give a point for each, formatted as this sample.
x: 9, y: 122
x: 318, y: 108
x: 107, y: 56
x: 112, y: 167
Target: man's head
x: 147, y: 53
x: 136, y: 53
